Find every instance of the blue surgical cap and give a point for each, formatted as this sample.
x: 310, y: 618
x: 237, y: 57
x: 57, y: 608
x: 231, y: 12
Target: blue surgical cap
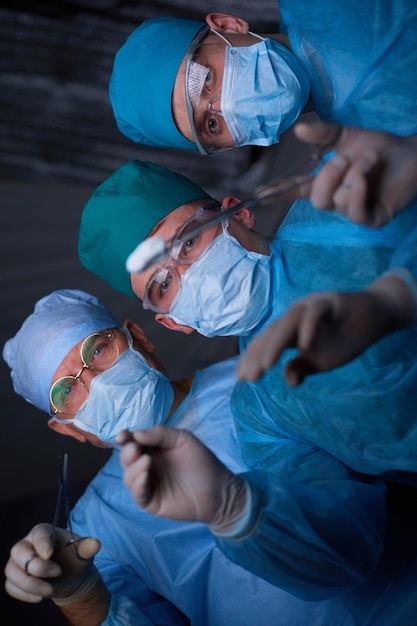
x: 143, y: 77
x: 59, y: 321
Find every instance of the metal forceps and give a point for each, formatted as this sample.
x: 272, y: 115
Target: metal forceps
x: 62, y: 503
x: 155, y: 250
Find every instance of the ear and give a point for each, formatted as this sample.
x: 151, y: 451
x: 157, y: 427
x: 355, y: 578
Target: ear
x: 169, y: 323
x: 139, y: 336
x: 227, y: 23
x: 65, y: 429
x: 245, y: 216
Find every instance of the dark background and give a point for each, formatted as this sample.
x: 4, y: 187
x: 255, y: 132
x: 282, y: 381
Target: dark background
x: 58, y: 141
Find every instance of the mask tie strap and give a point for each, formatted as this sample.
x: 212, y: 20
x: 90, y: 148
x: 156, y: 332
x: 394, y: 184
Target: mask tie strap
x: 216, y: 32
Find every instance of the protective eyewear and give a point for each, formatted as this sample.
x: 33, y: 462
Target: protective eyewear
x: 165, y: 282
x: 294, y: 183
x: 98, y: 352
x: 195, y: 77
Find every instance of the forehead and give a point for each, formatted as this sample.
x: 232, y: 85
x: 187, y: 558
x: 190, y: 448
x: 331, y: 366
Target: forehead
x: 174, y: 220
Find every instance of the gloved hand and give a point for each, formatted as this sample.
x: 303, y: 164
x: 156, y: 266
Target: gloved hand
x: 329, y: 329
x: 372, y: 176
x: 170, y: 473
x: 37, y: 569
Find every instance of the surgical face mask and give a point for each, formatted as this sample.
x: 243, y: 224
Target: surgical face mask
x: 130, y: 395
x: 265, y: 89
x: 226, y: 291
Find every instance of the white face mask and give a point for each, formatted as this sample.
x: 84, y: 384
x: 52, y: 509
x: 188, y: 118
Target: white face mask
x: 130, y: 395
x: 226, y: 291
x: 265, y: 89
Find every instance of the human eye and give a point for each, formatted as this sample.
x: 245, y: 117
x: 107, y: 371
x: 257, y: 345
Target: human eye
x: 164, y: 285
x: 63, y: 393
x: 187, y: 248
x: 96, y: 351
x: 212, y: 125
x: 159, y: 287
x: 209, y: 79
x: 66, y: 389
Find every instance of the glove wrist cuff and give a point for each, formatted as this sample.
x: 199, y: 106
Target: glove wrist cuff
x: 88, y: 583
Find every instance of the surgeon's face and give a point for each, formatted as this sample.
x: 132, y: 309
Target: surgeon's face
x: 240, y: 226
x: 83, y: 363
x: 210, y: 126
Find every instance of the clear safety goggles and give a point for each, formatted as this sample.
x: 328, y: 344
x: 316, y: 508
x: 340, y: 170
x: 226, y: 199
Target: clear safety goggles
x: 165, y: 282
x: 196, y: 74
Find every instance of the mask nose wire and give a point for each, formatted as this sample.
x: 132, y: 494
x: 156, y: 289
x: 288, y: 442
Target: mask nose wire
x: 210, y: 106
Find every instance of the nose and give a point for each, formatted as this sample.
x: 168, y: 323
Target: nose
x: 182, y: 267
x: 214, y: 105
x: 85, y: 375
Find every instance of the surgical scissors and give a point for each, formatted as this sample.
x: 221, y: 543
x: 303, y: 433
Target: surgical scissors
x: 62, y: 502
x: 155, y: 249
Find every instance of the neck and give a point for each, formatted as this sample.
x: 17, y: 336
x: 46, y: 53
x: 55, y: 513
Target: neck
x: 181, y: 390
x: 280, y: 38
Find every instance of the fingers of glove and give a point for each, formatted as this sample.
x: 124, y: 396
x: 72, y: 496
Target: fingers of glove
x: 135, y: 469
x: 327, y: 181
x: 40, y: 538
x: 123, y: 437
x: 354, y: 196
x: 24, y: 586
x: 140, y: 489
x: 26, y: 556
x: 131, y: 451
x: 318, y: 133
x: 351, y: 200
x: 314, y: 310
x: 161, y: 437
x: 265, y: 349
x: 87, y: 548
x: 297, y: 369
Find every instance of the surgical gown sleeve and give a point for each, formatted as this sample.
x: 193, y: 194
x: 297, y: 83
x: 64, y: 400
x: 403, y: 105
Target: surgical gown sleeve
x: 363, y: 412
x: 404, y: 259
x: 132, y: 603
x: 316, y: 528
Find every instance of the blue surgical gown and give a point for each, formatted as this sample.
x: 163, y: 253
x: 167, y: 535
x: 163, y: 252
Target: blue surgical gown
x: 361, y: 59
x: 149, y: 562
x: 364, y: 412
x: 144, y: 559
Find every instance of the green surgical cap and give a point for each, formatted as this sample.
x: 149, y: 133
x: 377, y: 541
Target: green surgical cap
x: 121, y: 213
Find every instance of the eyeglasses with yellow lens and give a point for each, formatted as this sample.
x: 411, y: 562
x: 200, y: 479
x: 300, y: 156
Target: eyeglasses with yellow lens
x: 98, y: 352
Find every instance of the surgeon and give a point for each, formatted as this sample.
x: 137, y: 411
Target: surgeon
x: 232, y: 280
x: 171, y: 474
x: 224, y: 86
x: 332, y: 521
x: 93, y: 377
